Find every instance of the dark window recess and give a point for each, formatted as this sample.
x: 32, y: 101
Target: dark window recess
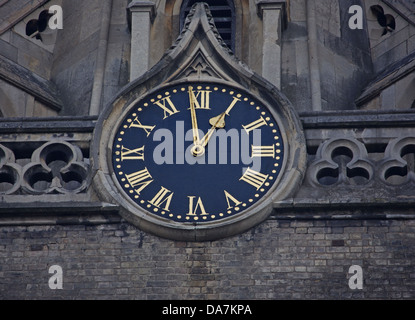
x: 35, y: 27
x: 386, y: 21
x: 223, y: 12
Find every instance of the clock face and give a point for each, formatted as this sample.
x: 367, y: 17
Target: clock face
x: 197, y: 152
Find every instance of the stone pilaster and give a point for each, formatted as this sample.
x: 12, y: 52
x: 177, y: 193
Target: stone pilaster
x: 273, y: 14
x: 141, y: 14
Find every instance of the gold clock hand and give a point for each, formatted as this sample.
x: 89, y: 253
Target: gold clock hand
x: 196, y: 138
x: 197, y: 150
x: 216, y: 123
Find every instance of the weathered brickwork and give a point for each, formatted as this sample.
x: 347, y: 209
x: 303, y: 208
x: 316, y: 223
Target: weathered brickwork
x: 280, y: 259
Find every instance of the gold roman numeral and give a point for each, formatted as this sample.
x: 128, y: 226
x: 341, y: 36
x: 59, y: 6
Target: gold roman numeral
x: 136, y: 154
x: 139, y: 180
x: 168, y: 107
x: 263, y: 151
x: 254, y: 178
x: 137, y: 124
x: 164, y: 196
x: 234, y: 102
x: 255, y: 125
x: 201, y: 99
x: 193, y: 209
x: 230, y: 198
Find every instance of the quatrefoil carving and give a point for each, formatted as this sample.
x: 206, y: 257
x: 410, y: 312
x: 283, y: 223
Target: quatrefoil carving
x: 10, y: 172
x: 398, y: 168
x: 341, y: 161
x: 56, y: 167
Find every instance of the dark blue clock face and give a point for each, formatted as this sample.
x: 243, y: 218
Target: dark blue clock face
x: 197, y: 152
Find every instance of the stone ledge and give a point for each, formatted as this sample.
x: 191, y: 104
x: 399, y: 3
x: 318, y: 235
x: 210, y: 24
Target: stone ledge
x: 56, y: 207
x: 358, y: 119
x: 61, y: 213
x: 47, y: 125
x: 308, y: 210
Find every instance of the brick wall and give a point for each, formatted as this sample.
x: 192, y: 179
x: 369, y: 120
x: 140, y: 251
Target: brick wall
x: 280, y: 259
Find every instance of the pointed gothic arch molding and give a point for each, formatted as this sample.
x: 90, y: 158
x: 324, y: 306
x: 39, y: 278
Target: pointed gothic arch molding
x: 241, y: 9
x: 223, y: 13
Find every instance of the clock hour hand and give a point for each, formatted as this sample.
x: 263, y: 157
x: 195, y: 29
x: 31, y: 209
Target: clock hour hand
x: 216, y: 123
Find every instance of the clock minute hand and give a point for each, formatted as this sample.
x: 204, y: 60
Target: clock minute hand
x: 197, y: 150
x: 196, y: 138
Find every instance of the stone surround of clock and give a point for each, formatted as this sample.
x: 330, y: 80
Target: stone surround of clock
x: 199, y: 202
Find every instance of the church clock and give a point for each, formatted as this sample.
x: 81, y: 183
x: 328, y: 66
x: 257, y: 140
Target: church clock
x: 197, y: 152
x: 199, y: 148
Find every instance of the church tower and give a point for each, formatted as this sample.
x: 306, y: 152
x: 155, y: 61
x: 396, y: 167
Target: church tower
x: 225, y: 149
